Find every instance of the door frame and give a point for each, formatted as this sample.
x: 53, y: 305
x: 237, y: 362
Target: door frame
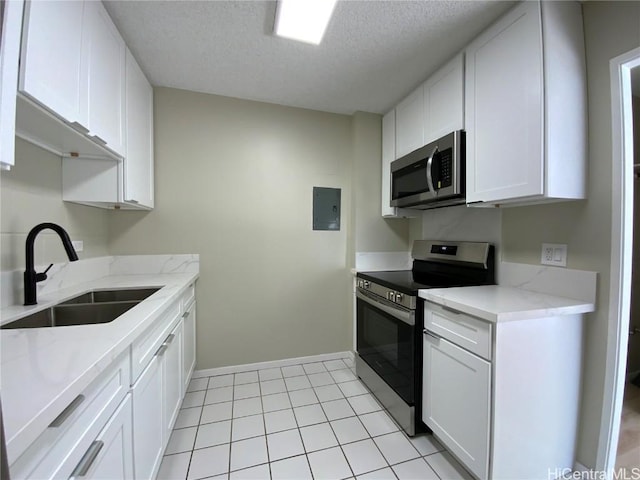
x: 621, y: 255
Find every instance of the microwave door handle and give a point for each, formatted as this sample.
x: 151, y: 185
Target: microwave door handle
x: 429, y: 176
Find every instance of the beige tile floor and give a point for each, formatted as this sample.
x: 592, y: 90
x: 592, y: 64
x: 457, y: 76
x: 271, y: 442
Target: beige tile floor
x: 309, y: 421
x: 628, y: 455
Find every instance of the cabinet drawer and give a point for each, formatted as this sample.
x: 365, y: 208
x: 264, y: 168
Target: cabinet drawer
x: 61, y: 446
x: 145, y: 347
x: 466, y: 331
x: 188, y: 297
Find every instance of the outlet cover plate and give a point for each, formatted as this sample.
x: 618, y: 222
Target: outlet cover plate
x: 554, y: 254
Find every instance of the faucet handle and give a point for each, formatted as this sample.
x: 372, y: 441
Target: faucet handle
x: 43, y: 276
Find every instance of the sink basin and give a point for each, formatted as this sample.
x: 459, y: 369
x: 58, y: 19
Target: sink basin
x: 100, y: 296
x: 87, y: 309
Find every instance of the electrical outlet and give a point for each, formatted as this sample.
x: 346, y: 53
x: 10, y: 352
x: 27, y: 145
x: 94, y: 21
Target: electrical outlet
x: 78, y: 245
x: 554, y: 254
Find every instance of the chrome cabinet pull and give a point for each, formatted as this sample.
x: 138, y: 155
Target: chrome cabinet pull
x: 427, y: 332
x: 185, y: 314
x: 87, y: 460
x: 161, y: 350
x: 169, y: 339
x: 133, y: 201
x: 66, y: 413
x: 451, y: 310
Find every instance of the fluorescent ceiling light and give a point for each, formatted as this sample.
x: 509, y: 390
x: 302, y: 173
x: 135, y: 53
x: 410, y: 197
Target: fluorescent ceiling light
x: 303, y: 20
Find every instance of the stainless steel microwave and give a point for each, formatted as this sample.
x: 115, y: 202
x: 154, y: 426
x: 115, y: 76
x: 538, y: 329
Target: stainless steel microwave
x: 431, y: 176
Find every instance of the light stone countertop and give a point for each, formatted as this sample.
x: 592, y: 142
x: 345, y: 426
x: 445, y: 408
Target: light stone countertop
x: 495, y: 303
x: 44, y: 369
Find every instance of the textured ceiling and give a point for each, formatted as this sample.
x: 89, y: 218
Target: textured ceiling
x: 372, y: 55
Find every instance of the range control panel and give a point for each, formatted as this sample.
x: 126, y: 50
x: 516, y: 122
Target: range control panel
x: 399, y: 298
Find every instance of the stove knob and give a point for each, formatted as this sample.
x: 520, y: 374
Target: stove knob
x: 399, y: 297
x: 391, y: 296
x: 360, y: 284
x: 367, y: 284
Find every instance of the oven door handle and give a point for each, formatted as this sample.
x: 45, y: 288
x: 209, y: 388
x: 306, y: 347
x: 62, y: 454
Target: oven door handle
x: 408, y: 317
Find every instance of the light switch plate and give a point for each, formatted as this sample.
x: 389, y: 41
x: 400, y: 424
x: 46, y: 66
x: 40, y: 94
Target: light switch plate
x: 554, y: 254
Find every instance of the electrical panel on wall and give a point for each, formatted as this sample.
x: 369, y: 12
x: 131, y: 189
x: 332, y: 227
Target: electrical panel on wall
x: 326, y: 208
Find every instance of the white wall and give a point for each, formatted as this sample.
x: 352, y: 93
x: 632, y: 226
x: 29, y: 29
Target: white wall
x: 31, y: 193
x: 234, y: 183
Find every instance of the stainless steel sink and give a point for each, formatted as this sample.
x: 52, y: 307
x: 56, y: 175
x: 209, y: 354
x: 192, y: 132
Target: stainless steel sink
x: 100, y: 296
x: 87, y: 309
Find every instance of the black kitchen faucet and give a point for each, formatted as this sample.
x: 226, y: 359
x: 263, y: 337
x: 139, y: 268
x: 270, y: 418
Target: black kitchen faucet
x: 30, y: 275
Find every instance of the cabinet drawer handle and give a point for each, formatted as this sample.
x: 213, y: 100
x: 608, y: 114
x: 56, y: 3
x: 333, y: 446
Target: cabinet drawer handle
x: 169, y: 339
x: 451, y: 310
x: 131, y: 200
x: 427, y: 332
x: 185, y: 314
x: 161, y: 350
x: 66, y: 413
x: 87, y: 460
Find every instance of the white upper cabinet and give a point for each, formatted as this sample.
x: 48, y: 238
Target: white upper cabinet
x: 126, y: 184
x: 138, y: 163
x: 388, y: 156
x: 525, y: 107
x: 72, y: 72
x: 410, y: 123
x: 50, y: 68
x: 444, y: 100
x: 10, y: 32
x: 103, y: 78
x: 433, y: 110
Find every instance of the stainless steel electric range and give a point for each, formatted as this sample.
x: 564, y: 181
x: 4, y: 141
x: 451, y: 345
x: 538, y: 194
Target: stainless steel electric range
x: 390, y: 320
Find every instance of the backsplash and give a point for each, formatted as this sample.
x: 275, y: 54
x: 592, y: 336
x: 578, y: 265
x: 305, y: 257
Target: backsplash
x: 66, y: 274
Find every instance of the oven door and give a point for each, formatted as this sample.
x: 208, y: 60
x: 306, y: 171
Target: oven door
x: 386, y: 342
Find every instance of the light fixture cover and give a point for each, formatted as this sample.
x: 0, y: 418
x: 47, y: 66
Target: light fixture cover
x: 303, y: 20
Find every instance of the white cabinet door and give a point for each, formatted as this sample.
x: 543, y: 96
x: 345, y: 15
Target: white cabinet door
x: 50, y: 69
x: 504, y: 108
x: 10, y: 32
x: 410, y: 123
x: 115, y: 449
x: 444, y: 100
x: 138, y: 162
x: 104, y: 54
x: 188, y: 345
x: 456, y: 395
x: 148, y: 420
x: 172, y: 380
x: 388, y: 156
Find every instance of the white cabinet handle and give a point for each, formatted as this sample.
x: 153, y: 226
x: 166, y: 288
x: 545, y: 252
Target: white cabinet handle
x: 87, y: 460
x: 131, y: 200
x: 66, y: 413
x: 451, y: 310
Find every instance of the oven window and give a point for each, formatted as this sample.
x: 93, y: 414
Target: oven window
x: 387, y: 345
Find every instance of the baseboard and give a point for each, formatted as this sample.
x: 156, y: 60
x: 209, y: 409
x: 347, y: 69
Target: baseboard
x: 210, y: 372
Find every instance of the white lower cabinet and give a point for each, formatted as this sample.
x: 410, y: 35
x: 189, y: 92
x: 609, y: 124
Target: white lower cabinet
x: 497, y: 395
x: 172, y: 381
x: 111, y: 454
x: 188, y: 344
x: 456, y: 401
x: 119, y: 426
x: 148, y: 420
